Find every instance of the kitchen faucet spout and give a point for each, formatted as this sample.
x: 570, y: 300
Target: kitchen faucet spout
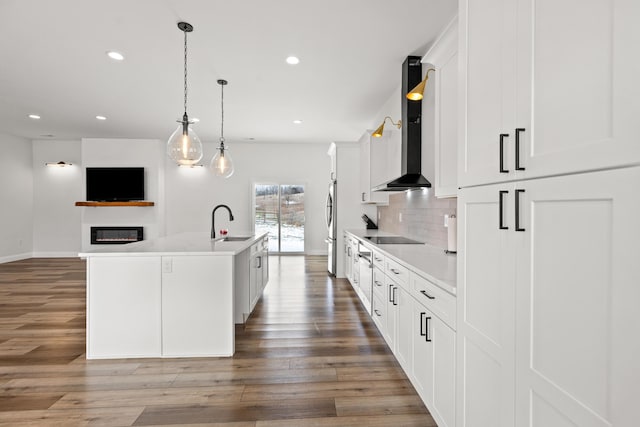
x: 213, y: 218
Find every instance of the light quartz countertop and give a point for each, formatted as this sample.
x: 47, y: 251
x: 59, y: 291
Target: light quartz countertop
x: 428, y: 261
x: 193, y: 243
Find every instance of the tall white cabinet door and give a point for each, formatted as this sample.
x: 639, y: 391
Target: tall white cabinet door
x: 578, y: 280
x: 404, y: 339
x: 577, y: 88
x: 486, y: 308
x: 197, y: 306
x: 422, y: 352
x: 443, y: 339
x: 487, y: 89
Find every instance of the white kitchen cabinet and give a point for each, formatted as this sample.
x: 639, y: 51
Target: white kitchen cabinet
x: 404, y: 339
x: 546, y: 310
x: 443, y: 58
x: 348, y: 263
x: 373, y: 154
x: 258, y: 274
x: 559, y: 91
x: 195, y: 296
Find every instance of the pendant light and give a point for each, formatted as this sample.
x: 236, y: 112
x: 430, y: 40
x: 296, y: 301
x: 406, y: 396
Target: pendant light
x: 184, y: 147
x: 221, y: 164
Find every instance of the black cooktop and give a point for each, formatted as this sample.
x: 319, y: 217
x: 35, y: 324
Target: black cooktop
x: 392, y: 240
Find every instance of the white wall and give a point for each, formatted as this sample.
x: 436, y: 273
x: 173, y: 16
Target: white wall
x: 56, y: 219
x: 147, y: 153
x: 191, y: 194
x: 16, y: 198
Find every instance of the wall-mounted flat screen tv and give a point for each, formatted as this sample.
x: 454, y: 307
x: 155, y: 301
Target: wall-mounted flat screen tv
x: 115, y: 184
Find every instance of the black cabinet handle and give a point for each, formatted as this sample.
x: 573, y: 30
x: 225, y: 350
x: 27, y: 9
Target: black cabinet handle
x: 377, y: 282
x: 394, y: 295
x: 518, y: 228
x: 501, y: 225
x: 518, y: 167
x: 502, y: 137
x: 377, y: 312
x: 423, y: 292
x: 426, y: 335
x: 422, y: 333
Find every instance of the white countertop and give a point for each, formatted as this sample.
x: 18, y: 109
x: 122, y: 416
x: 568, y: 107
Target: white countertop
x: 194, y: 243
x: 428, y: 261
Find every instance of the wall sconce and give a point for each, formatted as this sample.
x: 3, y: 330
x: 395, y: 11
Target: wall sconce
x: 378, y: 132
x: 417, y: 93
x: 60, y: 164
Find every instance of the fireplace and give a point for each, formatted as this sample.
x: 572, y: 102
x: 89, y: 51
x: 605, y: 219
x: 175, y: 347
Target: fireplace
x: 115, y: 235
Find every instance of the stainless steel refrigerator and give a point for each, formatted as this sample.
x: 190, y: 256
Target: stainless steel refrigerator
x: 330, y: 214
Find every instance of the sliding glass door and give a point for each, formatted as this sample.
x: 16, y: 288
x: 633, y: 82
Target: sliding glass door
x: 279, y: 210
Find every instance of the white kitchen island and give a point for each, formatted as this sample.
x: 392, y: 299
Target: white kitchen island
x: 175, y: 296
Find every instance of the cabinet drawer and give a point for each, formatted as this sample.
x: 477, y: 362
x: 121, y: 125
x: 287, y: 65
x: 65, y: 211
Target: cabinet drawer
x: 398, y: 273
x: 379, y: 313
x: 378, y: 259
x: 378, y: 283
x: 441, y: 303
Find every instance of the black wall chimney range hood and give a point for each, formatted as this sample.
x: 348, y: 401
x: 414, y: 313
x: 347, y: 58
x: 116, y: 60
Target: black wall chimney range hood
x: 411, y: 167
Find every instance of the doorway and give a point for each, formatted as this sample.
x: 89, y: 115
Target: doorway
x: 279, y: 210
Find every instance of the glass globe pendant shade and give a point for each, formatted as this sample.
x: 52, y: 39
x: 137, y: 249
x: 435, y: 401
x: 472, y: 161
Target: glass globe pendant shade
x: 184, y: 146
x: 221, y: 164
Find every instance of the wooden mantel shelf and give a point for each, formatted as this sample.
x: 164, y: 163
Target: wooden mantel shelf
x: 139, y: 203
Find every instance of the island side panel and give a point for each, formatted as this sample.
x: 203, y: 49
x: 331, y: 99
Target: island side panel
x: 123, y: 307
x: 197, y: 306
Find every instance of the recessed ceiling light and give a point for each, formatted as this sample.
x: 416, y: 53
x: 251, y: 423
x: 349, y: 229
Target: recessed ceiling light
x: 101, y: 118
x: 195, y: 119
x: 34, y: 116
x: 297, y: 122
x: 293, y: 60
x: 117, y: 56
x: 250, y: 138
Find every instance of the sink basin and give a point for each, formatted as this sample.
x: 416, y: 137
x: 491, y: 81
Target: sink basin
x: 392, y: 240
x: 234, y: 239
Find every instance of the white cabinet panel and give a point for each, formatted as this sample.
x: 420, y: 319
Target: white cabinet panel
x: 132, y: 285
x: 404, y: 338
x: 197, y: 306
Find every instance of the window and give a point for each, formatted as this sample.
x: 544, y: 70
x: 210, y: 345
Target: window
x: 279, y: 210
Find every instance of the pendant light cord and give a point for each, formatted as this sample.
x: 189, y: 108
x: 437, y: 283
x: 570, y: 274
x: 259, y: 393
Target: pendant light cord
x: 185, y: 73
x: 222, y: 110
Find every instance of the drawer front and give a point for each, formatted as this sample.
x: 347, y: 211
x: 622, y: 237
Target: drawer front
x: 378, y: 283
x: 379, y: 313
x: 255, y: 248
x: 441, y: 303
x: 398, y: 273
x: 378, y: 259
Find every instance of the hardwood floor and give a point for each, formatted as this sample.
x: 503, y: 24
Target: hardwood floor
x: 308, y: 356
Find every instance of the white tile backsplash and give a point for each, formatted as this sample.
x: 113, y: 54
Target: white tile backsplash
x: 422, y: 216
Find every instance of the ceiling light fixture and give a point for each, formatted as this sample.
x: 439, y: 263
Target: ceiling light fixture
x: 184, y: 146
x: 221, y: 164
x: 34, y: 116
x: 417, y: 93
x: 116, y: 56
x: 293, y: 60
x: 297, y: 122
x: 378, y: 132
x: 101, y: 118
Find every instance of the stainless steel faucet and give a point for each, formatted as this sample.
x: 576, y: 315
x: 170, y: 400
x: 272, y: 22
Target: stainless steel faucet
x: 213, y: 219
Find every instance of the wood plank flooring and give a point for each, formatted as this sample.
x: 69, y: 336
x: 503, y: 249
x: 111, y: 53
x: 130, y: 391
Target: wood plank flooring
x: 308, y: 356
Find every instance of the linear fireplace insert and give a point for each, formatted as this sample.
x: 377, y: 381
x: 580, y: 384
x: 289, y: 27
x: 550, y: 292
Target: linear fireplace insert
x: 115, y: 235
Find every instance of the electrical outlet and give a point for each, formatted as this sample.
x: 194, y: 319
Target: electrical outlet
x: 167, y: 265
x: 400, y: 217
x: 446, y: 220
x: 379, y: 215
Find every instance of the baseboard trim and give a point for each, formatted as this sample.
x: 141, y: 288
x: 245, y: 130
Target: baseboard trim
x: 17, y: 257
x: 55, y: 254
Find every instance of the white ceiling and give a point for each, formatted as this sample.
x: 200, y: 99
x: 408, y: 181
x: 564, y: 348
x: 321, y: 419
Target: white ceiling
x: 54, y: 64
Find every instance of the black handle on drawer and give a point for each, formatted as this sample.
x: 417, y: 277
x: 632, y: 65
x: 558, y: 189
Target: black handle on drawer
x: 426, y: 335
x: 518, y: 167
x: 377, y: 312
x: 501, y: 225
x: 422, y: 333
x: 518, y: 228
x: 377, y: 282
x: 394, y: 295
x: 502, y: 137
x: 423, y: 292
